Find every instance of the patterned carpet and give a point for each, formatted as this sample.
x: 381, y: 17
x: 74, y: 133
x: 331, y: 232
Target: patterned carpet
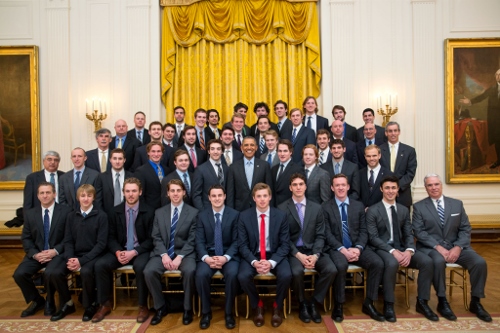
x: 412, y: 324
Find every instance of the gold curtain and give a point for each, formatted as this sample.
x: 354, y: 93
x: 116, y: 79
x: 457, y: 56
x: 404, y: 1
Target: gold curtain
x: 218, y: 53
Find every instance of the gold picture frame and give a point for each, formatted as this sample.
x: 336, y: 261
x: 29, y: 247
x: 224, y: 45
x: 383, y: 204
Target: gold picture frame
x: 19, y: 115
x: 471, y: 101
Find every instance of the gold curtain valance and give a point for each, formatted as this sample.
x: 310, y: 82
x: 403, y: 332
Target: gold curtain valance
x: 166, y: 3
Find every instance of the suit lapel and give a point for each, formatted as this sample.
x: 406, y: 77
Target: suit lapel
x: 385, y: 216
x: 293, y: 211
x: 433, y: 211
x: 256, y: 171
x: 272, y: 227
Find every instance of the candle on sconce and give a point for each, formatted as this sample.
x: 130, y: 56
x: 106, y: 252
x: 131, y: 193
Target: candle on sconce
x: 396, y: 101
x: 100, y: 105
x: 93, y: 104
x: 390, y: 100
x: 86, y: 106
x: 104, y: 105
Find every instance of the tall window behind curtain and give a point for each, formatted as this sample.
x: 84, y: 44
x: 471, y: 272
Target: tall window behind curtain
x: 218, y: 53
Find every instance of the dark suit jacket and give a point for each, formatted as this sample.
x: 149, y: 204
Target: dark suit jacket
x: 318, y: 186
x: 360, y: 150
x: 405, y: 169
x: 239, y: 195
x: 67, y: 191
x: 174, y: 175
x: 129, y: 146
x: 379, y: 228
x: 248, y: 235
x: 286, y: 129
x: 205, y: 231
x: 281, y: 186
x: 321, y: 122
x: 105, y: 190
x: 117, y: 239
x: 313, y: 236
x: 141, y: 157
x: 93, y: 160
x: 185, y: 231
x: 254, y: 131
x: 370, y: 198
x: 201, y: 157
x: 32, y: 235
x: 209, y: 133
x: 351, y: 171
x: 146, y: 138
x: 151, y: 185
x: 30, y: 198
x: 351, y: 133
x: 304, y: 137
x: 427, y: 226
x: 204, y: 178
x: 355, y: 220
x: 275, y: 160
x: 380, y: 135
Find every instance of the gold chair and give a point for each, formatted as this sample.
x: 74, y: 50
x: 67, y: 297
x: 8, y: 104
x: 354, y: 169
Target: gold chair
x: 10, y: 141
x: 218, y: 276
x: 456, y: 269
x: 127, y: 270
x: 265, y: 277
x: 355, y: 271
x: 167, y: 275
x: 405, y: 271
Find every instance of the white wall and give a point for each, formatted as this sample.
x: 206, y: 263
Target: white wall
x: 110, y: 49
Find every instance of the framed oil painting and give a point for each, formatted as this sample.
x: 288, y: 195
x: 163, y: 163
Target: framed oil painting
x: 19, y: 115
x: 472, y: 97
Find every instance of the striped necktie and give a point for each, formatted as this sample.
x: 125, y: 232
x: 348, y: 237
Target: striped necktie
x: 440, y: 210
x: 171, y: 244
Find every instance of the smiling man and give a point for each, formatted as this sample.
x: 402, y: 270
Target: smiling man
x: 128, y: 143
x: 371, y: 176
x: 151, y: 175
x: 139, y: 132
x: 141, y: 154
x: 98, y: 158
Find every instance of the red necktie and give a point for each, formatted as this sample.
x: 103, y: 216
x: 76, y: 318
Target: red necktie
x: 262, y: 237
x: 193, y: 158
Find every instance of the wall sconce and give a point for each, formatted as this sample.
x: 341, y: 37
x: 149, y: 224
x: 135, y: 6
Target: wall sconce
x: 98, y: 112
x: 391, y: 107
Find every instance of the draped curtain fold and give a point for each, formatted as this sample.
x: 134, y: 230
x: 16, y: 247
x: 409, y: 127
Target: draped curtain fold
x: 218, y: 53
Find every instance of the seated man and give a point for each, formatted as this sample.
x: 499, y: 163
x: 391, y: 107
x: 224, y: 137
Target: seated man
x: 129, y: 243
x: 217, y: 249
x: 264, y: 249
x: 174, y: 232
x: 442, y: 229
x: 389, y: 230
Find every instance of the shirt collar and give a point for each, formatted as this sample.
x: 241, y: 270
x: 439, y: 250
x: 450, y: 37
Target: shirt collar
x: 388, y: 205
x: 376, y: 169
x: 135, y: 207
x: 265, y: 213
x: 87, y: 211
x: 249, y: 160
x: 303, y: 202
x: 346, y: 201
x: 221, y: 212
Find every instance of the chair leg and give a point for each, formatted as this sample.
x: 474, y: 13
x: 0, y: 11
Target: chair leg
x: 407, y: 289
x: 248, y: 306
x: 114, y: 290
x: 236, y: 306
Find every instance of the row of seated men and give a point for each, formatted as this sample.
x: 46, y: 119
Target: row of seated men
x: 299, y: 234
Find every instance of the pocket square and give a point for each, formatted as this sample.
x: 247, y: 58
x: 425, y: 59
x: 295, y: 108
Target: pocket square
x: 456, y: 214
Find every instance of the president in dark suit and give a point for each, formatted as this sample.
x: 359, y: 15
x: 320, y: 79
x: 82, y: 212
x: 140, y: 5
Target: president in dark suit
x: 282, y: 172
x: 390, y: 233
x: 442, y: 230
x: 311, y: 119
x: 369, y: 139
x: 151, y: 175
x: 318, y: 180
x: 217, y: 249
x: 371, y: 176
x: 174, y: 238
x: 98, y: 158
x: 181, y: 172
x: 264, y: 244
x: 128, y: 143
x: 139, y: 132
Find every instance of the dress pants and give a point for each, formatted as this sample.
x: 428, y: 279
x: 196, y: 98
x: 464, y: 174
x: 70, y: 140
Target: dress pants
x: 204, y: 276
x: 57, y: 279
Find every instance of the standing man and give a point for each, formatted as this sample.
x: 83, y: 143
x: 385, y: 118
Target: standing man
x: 179, y: 115
x: 71, y: 181
x: 141, y: 154
x: 350, y: 147
x: 244, y: 174
x: 213, y: 121
x: 368, y: 139
x: 317, y: 179
x: 307, y: 241
x: 202, y: 134
x: 401, y: 159
x: 311, y: 119
x: 442, y: 229
x: 217, y: 249
x: 242, y: 109
x: 301, y: 135
x: 264, y: 244
x: 151, y: 174
x: 238, y: 124
x: 42, y: 237
x: 338, y: 113
x: 139, y: 132
x: 369, y: 117
x: 98, y: 158
x: 282, y: 172
x: 232, y: 151
x: 261, y: 109
x: 181, y: 172
x: 174, y: 233
x: 390, y: 233
x: 271, y: 156
x: 128, y: 143
x: 197, y: 155
x: 263, y: 125
x: 371, y: 176
x: 129, y: 243
x: 284, y: 124
x: 347, y: 241
x: 323, y: 143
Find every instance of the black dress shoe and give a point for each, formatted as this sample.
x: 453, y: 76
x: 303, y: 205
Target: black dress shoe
x: 389, y: 313
x: 303, y: 313
x: 338, y: 313
x: 187, y: 317
x: 313, y: 312
x: 276, y: 319
x: 258, y: 316
x: 495, y: 165
x: 159, y: 314
x: 230, y: 322
x: 63, y: 312
x: 49, y: 309
x: 89, y: 313
x: 369, y: 309
x: 423, y: 308
x: 205, y: 321
x: 445, y: 310
x: 481, y: 313
x: 33, y: 308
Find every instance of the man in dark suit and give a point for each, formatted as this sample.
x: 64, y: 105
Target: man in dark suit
x: 311, y: 120
x: 214, y: 171
x: 338, y: 113
x: 139, y: 132
x: 442, y: 230
x: 169, y: 136
x: 263, y: 125
x: 347, y: 240
x: 261, y: 109
x: 264, y: 250
x: 241, y: 109
x: 217, y: 249
x: 370, y: 177
x: 338, y: 164
x: 128, y: 143
x: 391, y: 237
x: 141, y: 155
x: 369, y: 117
x: 282, y: 172
x: 109, y: 185
x: 350, y: 147
x: 307, y: 241
x: 179, y: 115
x: 318, y: 179
x: 232, y: 151
x: 323, y: 144
x: 181, y: 172
x: 71, y: 181
x: 271, y: 155
x: 174, y: 238
x: 42, y: 240
x: 151, y: 174
x: 197, y: 156
x: 301, y: 135
x: 129, y: 243
x: 284, y: 124
x: 244, y: 174
x: 49, y: 174
x: 98, y: 158
x: 202, y: 134
x: 369, y: 139
x: 401, y: 159
x: 240, y: 132
x: 213, y: 119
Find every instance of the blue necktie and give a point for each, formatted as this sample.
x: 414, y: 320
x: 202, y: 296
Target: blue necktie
x: 77, y: 180
x: 262, y: 144
x: 309, y: 124
x: 53, y: 179
x: 270, y: 159
x: 130, y: 230
x: 175, y: 219
x: 301, y: 218
x: 440, y: 210
x: 186, y: 184
x: 220, y: 174
x: 346, y: 239
x: 219, y: 249
x: 160, y: 172
x: 371, y: 181
x: 279, y: 126
x: 369, y: 142
x: 294, y: 135
x: 84, y: 215
x: 46, y: 229
x: 337, y: 168
x: 139, y: 135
